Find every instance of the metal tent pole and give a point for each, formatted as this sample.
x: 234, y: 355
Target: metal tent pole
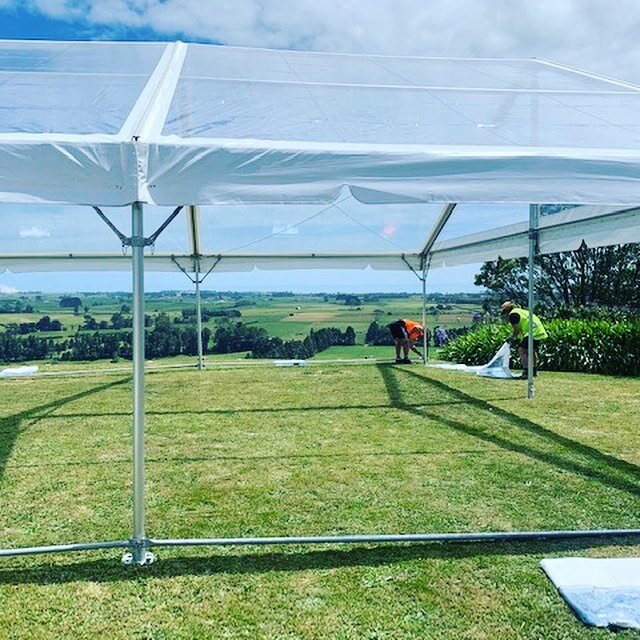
x: 533, y: 242
x: 424, y: 315
x: 139, y: 553
x: 199, y: 314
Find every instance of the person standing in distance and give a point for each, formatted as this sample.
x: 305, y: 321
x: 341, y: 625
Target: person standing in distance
x: 406, y: 333
x: 519, y: 320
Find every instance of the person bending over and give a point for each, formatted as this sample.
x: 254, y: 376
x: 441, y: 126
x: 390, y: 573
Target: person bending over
x: 519, y: 320
x: 406, y: 333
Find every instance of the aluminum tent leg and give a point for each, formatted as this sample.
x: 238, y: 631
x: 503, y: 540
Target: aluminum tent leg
x: 533, y: 241
x: 139, y: 552
x: 199, y: 315
x: 424, y: 316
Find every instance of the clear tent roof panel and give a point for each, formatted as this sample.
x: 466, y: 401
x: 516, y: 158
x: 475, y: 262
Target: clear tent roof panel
x: 468, y: 219
x: 60, y: 230
x: 245, y: 109
x: 273, y: 95
x: 72, y: 88
x: 346, y: 226
x: 168, y: 124
x: 304, y: 67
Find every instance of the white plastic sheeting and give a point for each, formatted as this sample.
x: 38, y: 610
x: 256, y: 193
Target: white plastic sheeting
x: 18, y: 372
x: 111, y: 123
x: 604, y: 592
x: 497, y: 367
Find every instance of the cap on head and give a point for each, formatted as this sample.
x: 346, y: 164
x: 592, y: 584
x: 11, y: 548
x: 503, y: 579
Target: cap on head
x: 506, y: 307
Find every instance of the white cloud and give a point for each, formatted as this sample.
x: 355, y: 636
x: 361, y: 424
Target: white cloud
x: 6, y: 289
x: 33, y: 232
x: 594, y: 34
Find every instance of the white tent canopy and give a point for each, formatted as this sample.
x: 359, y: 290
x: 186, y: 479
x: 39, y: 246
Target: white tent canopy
x: 321, y: 160
x: 104, y: 123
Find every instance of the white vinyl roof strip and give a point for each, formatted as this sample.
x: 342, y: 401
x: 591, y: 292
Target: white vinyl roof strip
x: 149, y: 114
x: 227, y: 264
x: 563, y: 231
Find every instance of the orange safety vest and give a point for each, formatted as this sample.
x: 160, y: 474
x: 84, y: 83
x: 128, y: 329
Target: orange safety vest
x: 414, y: 329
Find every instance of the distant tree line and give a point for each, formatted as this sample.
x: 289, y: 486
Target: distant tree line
x: 44, y: 324
x: 188, y: 316
x: 15, y: 306
x: 314, y: 343
x: 378, y: 334
x: 16, y: 349
x: 164, y: 337
x: 256, y: 340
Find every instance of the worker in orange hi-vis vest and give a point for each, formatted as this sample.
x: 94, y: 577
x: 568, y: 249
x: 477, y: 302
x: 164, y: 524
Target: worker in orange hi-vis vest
x: 406, y: 333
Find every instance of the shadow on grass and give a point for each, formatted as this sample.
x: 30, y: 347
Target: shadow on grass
x: 285, y: 409
x: 110, y: 570
x: 354, y: 455
x: 12, y: 425
x: 534, y: 440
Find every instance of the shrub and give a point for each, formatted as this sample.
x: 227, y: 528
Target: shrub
x: 586, y: 346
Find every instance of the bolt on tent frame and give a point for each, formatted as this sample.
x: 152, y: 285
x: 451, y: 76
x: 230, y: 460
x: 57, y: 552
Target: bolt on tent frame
x: 185, y: 127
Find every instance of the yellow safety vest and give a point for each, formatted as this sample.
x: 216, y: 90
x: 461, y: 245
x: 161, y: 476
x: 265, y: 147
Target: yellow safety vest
x: 539, y: 332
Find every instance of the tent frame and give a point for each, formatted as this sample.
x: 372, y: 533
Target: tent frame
x: 144, y: 124
x: 138, y: 549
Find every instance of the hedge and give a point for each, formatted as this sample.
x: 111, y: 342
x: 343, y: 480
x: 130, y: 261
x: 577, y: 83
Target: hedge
x: 586, y: 346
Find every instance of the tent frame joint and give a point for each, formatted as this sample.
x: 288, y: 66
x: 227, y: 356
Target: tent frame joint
x: 417, y: 274
x: 135, y: 240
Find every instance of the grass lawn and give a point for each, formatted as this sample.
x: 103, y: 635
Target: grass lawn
x: 356, y: 351
x: 323, y: 449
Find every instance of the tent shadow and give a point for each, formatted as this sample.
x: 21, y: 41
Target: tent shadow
x: 110, y: 570
x: 269, y: 410
x: 568, y: 455
x: 12, y: 425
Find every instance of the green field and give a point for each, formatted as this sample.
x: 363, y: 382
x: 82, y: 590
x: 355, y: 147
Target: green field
x: 325, y: 448
x: 292, y: 318
x: 286, y: 317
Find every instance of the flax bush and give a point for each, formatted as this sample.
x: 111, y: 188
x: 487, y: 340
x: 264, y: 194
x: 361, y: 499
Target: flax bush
x: 587, y: 346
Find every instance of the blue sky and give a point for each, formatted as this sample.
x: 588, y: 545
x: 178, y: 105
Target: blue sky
x: 581, y: 33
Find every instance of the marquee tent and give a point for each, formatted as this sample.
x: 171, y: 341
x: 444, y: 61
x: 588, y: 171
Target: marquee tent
x: 302, y: 149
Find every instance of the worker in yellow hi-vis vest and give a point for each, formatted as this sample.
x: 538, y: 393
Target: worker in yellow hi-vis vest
x: 519, y: 320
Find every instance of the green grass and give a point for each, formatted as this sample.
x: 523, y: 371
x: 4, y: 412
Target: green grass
x: 313, y: 450
x: 356, y: 351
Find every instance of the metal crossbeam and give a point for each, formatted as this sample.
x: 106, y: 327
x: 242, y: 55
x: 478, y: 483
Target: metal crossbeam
x: 402, y: 538
x: 437, y: 229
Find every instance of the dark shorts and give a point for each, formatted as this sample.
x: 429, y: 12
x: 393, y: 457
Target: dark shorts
x: 525, y: 344
x: 398, y: 330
